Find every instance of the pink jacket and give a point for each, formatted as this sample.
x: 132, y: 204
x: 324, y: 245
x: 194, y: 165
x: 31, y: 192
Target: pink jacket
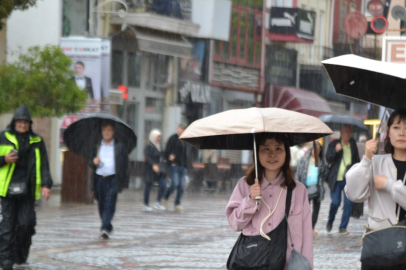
x: 242, y: 215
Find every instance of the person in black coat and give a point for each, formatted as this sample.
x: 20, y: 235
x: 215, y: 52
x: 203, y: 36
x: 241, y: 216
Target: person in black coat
x: 110, y: 174
x: 177, y: 158
x: 154, y: 170
x: 24, y: 177
x: 341, y: 155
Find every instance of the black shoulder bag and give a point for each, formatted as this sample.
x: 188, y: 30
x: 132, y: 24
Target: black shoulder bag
x: 257, y: 252
x: 385, y: 247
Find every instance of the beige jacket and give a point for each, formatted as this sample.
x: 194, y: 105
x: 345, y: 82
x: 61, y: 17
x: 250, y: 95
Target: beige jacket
x: 381, y: 203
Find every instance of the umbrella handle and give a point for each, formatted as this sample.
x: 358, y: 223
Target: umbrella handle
x: 257, y: 198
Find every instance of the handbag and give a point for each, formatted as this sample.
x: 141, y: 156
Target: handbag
x: 162, y: 167
x: 296, y: 260
x: 16, y: 189
x: 312, y: 191
x: 257, y: 252
x: 385, y: 247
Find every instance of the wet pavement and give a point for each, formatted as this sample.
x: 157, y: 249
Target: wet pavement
x: 198, y: 238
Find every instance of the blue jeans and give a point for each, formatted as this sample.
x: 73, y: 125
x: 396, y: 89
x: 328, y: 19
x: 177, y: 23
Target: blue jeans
x: 335, y: 204
x: 106, y: 196
x: 161, y: 190
x: 178, y: 179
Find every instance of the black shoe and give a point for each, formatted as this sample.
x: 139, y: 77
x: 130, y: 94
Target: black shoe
x: 329, y: 226
x: 104, y: 235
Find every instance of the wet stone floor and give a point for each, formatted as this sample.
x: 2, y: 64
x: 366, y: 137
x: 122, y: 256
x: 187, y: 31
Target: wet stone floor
x: 198, y: 238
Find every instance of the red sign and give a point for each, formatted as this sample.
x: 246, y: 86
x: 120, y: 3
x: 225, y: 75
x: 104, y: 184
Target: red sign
x: 68, y: 120
x: 123, y: 89
x: 355, y: 25
x: 375, y: 7
x: 379, y: 24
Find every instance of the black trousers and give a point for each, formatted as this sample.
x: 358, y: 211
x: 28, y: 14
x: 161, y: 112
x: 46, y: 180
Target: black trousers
x: 17, y: 226
x: 316, y: 210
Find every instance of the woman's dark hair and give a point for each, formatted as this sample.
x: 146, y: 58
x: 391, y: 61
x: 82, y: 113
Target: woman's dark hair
x: 321, y: 150
x: 402, y: 117
x: 286, y: 169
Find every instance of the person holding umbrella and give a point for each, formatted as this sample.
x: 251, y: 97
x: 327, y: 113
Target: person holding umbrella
x: 105, y: 142
x: 275, y: 178
x: 380, y: 179
x: 24, y: 177
x: 110, y: 174
x: 313, y: 178
x: 341, y: 155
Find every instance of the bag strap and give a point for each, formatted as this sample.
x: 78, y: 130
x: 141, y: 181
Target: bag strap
x: 288, y: 203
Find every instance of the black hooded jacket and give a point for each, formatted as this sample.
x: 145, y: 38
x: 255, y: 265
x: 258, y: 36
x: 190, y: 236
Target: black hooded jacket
x: 32, y: 165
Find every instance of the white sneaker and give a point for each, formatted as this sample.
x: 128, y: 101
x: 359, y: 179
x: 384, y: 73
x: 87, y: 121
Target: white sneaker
x: 147, y: 208
x: 158, y: 206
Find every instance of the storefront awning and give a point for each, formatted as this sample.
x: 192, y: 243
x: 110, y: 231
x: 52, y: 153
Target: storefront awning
x: 163, y: 43
x: 295, y: 99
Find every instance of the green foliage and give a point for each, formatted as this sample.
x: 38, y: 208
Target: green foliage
x: 7, y: 6
x: 41, y: 79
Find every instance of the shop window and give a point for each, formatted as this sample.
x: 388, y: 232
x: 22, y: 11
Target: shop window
x: 134, y: 69
x: 245, y: 35
x: 117, y: 68
x: 154, y: 105
x: 157, y: 77
x: 75, y: 18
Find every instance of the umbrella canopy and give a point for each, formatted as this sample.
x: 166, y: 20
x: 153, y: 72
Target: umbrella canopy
x: 83, y: 134
x: 233, y: 129
x: 376, y: 82
x: 335, y: 122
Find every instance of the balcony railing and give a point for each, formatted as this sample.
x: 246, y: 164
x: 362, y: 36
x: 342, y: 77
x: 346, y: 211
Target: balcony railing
x: 179, y: 9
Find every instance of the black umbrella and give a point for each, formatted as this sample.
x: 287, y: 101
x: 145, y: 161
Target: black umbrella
x: 376, y: 82
x: 80, y: 136
x: 335, y: 122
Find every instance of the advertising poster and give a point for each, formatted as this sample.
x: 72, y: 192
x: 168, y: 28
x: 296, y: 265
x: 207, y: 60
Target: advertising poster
x: 86, y: 62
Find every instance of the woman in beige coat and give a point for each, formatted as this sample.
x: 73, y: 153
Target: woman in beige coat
x: 380, y: 178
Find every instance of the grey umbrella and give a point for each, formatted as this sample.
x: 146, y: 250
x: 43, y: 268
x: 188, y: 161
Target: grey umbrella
x: 335, y: 122
x: 83, y: 134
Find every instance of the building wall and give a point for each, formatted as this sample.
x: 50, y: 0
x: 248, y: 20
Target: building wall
x: 39, y: 25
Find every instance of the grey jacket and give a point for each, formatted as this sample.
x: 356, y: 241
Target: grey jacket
x: 381, y: 203
x: 303, y: 166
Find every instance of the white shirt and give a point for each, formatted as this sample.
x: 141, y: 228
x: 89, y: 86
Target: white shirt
x: 80, y: 82
x: 106, y: 156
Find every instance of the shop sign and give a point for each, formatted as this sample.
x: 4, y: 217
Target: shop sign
x: 191, y: 92
x: 293, y: 21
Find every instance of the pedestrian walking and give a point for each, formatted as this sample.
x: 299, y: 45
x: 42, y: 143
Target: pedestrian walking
x: 154, y: 170
x: 24, y: 177
x: 110, y: 174
x: 380, y: 180
x: 176, y: 155
x: 313, y: 178
x: 266, y: 217
x: 209, y: 158
x: 341, y: 155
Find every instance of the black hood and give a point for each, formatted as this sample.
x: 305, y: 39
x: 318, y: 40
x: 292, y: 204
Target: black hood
x: 22, y: 113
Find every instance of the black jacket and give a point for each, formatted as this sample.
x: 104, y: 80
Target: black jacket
x: 35, y: 157
x: 334, y: 160
x: 178, y: 148
x: 152, y: 156
x: 122, y: 165
x: 88, y: 86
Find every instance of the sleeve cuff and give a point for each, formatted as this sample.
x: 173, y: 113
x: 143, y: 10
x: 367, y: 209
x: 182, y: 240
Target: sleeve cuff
x: 250, y: 206
x: 365, y: 161
x: 389, y: 185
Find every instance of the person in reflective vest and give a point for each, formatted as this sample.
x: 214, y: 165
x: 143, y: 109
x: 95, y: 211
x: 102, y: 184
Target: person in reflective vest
x: 24, y: 177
